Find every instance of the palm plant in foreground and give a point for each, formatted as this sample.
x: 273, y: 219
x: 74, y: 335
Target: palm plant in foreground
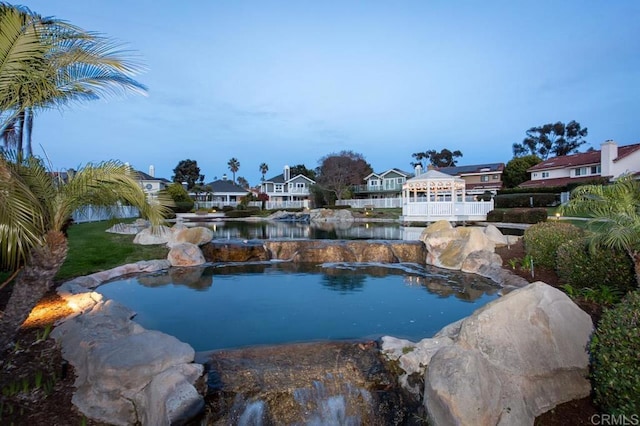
x: 615, y: 215
x: 35, y: 208
x: 47, y: 62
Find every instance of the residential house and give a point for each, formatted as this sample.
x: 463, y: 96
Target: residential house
x: 609, y: 162
x: 150, y: 184
x: 223, y: 192
x: 478, y: 178
x: 285, y: 190
x: 387, y: 184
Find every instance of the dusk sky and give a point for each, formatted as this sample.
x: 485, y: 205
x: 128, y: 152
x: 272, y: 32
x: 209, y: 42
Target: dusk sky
x: 288, y: 82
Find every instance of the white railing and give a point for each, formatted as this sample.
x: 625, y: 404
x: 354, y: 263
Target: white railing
x: 213, y: 204
x: 274, y: 205
x: 443, y: 209
x: 379, y: 203
x: 96, y: 214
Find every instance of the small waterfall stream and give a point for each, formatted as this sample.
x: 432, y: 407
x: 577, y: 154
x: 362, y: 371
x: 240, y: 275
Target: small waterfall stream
x: 326, y: 383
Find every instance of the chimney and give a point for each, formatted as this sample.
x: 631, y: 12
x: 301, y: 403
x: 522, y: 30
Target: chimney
x: 418, y: 169
x: 152, y: 171
x: 287, y: 173
x: 608, y: 153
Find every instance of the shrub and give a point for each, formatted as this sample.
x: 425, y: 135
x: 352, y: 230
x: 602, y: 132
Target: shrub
x: 518, y: 215
x: 526, y: 200
x: 542, y: 240
x: 579, y: 267
x: 227, y: 208
x: 336, y: 207
x: 495, y: 216
x: 239, y: 213
x: 615, y: 364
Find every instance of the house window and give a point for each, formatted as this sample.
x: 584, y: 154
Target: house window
x: 484, y: 178
x: 300, y: 185
x: 374, y: 182
x: 581, y: 171
x: 545, y: 174
x: 278, y: 187
x: 595, y: 170
x: 399, y: 180
x: 496, y: 177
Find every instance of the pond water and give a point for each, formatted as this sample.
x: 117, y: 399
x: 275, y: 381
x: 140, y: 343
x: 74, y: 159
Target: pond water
x: 239, y: 305
x: 332, y: 231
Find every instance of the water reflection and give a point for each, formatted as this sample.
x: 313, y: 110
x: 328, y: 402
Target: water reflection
x: 324, y: 231
x: 340, y: 277
x: 238, y: 305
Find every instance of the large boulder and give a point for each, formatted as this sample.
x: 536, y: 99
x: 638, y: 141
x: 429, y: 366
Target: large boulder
x: 153, y: 235
x: 197, y: 235
x: 512, y: 360
x: 448, y: 247
x: 126, y: 374
x: 185, y: 254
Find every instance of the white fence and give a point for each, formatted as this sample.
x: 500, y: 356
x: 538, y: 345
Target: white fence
x: 378, y: 203
x: 96, y: 214
x: 473, y: 210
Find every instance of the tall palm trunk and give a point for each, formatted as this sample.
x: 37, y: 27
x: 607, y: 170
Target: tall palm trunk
x: 35, y: 280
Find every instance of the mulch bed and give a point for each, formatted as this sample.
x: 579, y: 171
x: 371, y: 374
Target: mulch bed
x: 22, y: 402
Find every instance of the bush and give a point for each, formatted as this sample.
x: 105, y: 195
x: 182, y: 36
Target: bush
x: 541, y: 241
x: 579, y: 267
x: 615, y: 364
x: 182, y: 206
x: 518, y: 215
x: 507, y: 201
x: 334, y: 207
x: 240, y: 213
x: 227, y: 208
x: 495, y: 216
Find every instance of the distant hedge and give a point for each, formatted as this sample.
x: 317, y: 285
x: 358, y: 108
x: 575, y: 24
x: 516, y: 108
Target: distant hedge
x: 518, y: 215
x: 509, y: 201
x: 335, y: 207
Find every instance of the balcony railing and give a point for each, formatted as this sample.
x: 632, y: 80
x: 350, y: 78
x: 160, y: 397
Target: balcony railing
x: 363, y: 189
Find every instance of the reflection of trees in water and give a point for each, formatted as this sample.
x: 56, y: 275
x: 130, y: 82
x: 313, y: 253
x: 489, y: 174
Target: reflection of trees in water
x: 316, y: 231
x: 463, y: 286
x: 341, y: 277
x: 343, y: 281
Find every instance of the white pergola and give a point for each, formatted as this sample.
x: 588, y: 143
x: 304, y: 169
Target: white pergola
x: 434, y: 195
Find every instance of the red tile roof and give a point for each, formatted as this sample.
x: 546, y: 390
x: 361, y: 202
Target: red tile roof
x: 558, y: 181
x: 582, y: 159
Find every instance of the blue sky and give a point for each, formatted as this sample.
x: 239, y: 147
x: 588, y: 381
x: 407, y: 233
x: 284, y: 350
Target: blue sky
x: 288, y: 82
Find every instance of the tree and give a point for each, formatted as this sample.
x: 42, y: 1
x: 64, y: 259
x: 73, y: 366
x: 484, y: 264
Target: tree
x: 46, y: 63
x: 243, y: 182
x: 234, y: 166
x: 301, y: 169
x: 264, y: 168
x: 188, y: 171
x: 615, y: 215
x: 553, y: 138
x: 339, y: 171
x: 444, y: 158
x: 36, y: 208
x: 515, y: 171
x: 182, y: 202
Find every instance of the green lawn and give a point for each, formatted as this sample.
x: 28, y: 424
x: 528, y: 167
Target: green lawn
x: 91, y: 249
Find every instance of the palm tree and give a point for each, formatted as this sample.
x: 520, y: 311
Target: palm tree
x: 35, y: 209
x: 45, y: 63
x: 234, y: 165
x: 264, y: 168
x: 243, y: 182
x: 615, y: 215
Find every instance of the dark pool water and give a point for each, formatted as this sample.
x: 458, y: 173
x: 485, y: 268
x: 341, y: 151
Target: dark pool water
x: 230, y: 306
